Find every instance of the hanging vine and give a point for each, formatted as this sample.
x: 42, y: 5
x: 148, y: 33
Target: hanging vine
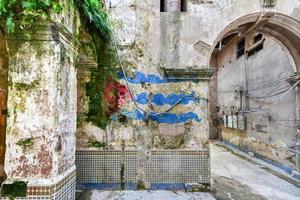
x: 101, y: 104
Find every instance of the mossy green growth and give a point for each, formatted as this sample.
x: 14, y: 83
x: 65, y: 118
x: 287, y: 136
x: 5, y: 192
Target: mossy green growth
x: 27, y: 12
x: 93, y: 14
x: 98, y: 27
x: 26, y: 143
x: 141, y: 186
x: 26, y: 86
x: 96, y: 144
x: 16, y: 189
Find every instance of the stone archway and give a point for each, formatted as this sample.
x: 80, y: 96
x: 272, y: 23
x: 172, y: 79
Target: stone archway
x: 282, y: 27
x: 3, y: 100
x: 286, y: 33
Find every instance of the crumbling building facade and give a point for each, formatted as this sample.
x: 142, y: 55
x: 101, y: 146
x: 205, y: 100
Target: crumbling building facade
x: 160, y: 107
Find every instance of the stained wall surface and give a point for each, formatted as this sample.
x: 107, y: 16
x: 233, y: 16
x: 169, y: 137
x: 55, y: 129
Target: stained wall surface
x: 256, y: 84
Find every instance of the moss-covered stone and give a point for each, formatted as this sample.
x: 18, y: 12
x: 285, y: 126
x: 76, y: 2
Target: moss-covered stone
x: 15, y: 189
x: 26, y: 143
x: 96, y: 144
x: 141, y: 186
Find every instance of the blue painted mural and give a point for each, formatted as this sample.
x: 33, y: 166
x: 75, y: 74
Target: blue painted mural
x: 167, y: 118
x: 141, y: 77
x: 161, y: 100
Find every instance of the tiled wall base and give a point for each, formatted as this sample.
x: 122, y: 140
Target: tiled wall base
x: 63, y: 190
x: 165, y: 169
x: 178, y: 166
x: 106, y: 186
x: 102, y: 169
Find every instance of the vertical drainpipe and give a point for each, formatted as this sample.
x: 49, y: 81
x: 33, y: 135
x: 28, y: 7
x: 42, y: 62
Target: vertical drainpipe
x: 247, y: 106
x: 173, y: 5
x: 298, y: 125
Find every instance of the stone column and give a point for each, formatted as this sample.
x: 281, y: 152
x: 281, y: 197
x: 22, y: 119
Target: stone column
x: 173, y: 5
x: 40, y: 142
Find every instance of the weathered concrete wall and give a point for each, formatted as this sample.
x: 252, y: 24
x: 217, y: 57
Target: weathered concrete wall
x: 185, y: 126
x: 42, y: 110
x: 150, y: 40
x: 42, y: 84
x: 272, y: 152
x: 146, y: 43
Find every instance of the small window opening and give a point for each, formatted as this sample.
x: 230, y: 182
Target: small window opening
x: 256, y: 49
x: 163, y: 6
x: 269, y: 3
x: 257, y: 38
x: 240, y: 48
x: 183, y: 5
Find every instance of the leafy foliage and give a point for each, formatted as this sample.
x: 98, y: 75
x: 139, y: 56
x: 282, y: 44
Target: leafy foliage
x: 97, y: 24
x: 27, y: 12
x: 26, y: 143
x: 23, y: 13
x: 100, y: 76
x: 16, y: 189
x: 96, y: 144
x: 93, y: 13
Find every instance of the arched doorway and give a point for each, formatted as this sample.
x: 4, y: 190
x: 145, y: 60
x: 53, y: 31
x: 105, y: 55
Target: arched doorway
x: 283, y: 28
x: 254, y: 93
x: 3, y: 100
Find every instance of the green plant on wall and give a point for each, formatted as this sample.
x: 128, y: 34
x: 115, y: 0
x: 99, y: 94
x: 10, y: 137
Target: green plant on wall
x: 22, y: 14
x: 96, y: 22
x: 26, y: 143
x: 15, y: 189
x: 95, y: 18
x: 96, y: 144
x: 26, y: 12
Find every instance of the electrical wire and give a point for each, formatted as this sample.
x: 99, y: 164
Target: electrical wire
x: 276, y: 102
x: 267, y: 85
x: 267, y: 96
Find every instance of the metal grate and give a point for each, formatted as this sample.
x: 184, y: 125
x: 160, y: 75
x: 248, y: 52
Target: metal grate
x: 175, y: 166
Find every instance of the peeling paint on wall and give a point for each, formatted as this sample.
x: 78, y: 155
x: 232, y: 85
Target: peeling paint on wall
x: 141, y: 77
x: 161, y: 99
x: 167, y: 118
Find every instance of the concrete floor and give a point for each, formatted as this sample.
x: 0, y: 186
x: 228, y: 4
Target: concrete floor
x: 233, y: 178
x: 145, y: 195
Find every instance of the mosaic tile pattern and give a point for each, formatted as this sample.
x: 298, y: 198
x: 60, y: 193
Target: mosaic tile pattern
x: 102, y: 169
x: 178, y: 166
x: 131, y: 163
x: 65, y: 189
x: 98, y: 166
